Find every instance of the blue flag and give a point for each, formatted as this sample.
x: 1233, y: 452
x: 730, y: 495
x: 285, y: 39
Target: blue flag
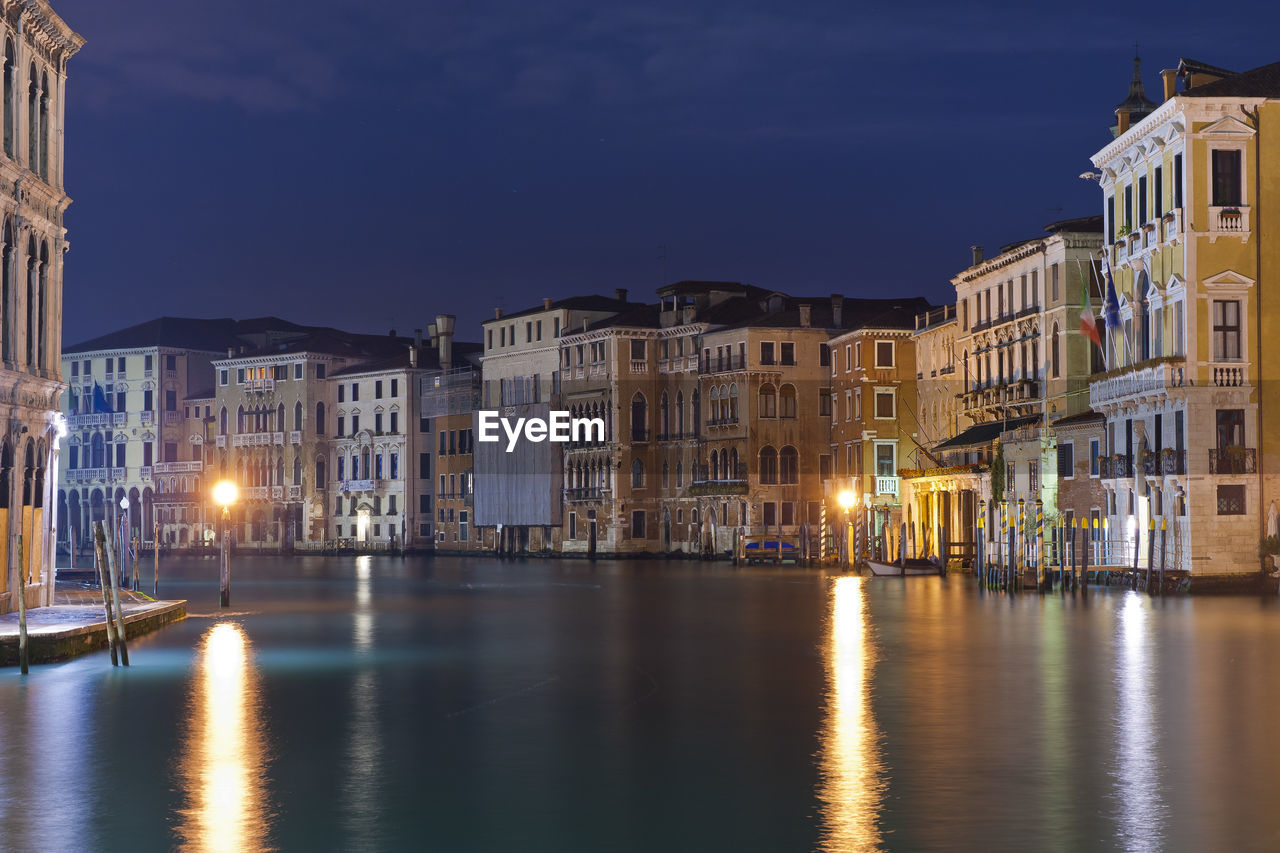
x: 1112, y: 307
x: 100, y: 403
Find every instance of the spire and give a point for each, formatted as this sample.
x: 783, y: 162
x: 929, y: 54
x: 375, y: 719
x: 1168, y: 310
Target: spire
x: 1137, y: 106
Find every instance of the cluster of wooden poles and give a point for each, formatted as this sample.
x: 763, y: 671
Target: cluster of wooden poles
x: 106, y: 562
x: 1073, y: 539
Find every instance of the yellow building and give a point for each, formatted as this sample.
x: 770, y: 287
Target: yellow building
x: 1186, y: 190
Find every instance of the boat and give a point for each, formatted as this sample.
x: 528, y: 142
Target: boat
x: 913, y: 567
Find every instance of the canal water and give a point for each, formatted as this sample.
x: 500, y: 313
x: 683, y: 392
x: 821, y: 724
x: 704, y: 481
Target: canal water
x: 468, y: 704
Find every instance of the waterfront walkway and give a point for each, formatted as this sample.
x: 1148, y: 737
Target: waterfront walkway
x: 76, y: 623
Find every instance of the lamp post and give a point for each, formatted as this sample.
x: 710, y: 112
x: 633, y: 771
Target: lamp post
x: 224, y: 495
x: 845, y: 499
x: 124, y: 544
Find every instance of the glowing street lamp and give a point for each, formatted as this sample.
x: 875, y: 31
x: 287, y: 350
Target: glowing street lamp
x: 225, y: 494
x: 846, y: 499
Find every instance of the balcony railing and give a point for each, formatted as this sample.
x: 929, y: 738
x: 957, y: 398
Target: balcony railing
x: 1233, y: 460
x: 257, y: 493
x: 704, y: 474
x: 581, y: 494
x: 86, y: 475
x: 145, y: 472
x: 722, y: 363
x: 257, y: 439
x: 887, y: 486
x: 1233, y: 221
x: 171, y: 417
x: 1173, y: 461
x: 1137, y: 382
x: 178, y: 467
x: 277, y: 493
x: 295, y: 437
x: 1172, y: 225
x: 100, y: 419
x: 295, y: 493
x: 148, y: 418
x: 1115, y: 467
x: 723, y: 422
x: 260, y: 385
x: 1230, y: 374
x: 220, y: 441
x: 639, y: 365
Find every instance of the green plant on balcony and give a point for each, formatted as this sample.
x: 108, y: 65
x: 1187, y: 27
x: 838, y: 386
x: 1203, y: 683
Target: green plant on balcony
x: 1123, y: 231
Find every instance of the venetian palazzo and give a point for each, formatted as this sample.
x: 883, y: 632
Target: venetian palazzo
x: 37, y: 45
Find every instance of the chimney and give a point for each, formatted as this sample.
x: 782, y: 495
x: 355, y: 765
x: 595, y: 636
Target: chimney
x: 231, y: 352
x: 620, y: 294
x: 805, y: 316
x: 444, y: 337
x: 417, y: 338
x: 977, y: 254
x: 497, y: 313
x: 1122, y: 122
x: 392, y: 333
x: 1170, y: 78
x: 413, y: 355
x: 546, y: 303
x: 837, y: 311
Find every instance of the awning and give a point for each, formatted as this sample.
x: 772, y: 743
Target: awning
x: 983, y: 434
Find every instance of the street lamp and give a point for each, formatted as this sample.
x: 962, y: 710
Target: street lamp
x: 124, y: 545
x: 224, y: 495
x: 845, y: 499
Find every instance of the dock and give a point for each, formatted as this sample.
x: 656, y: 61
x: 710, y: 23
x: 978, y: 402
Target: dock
x: 76, y: 623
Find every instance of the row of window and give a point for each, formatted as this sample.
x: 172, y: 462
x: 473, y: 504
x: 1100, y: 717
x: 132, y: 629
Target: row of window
x: 40, y: 151
x: 392, y: 422
x: 884, y: 356
x: 1225, y: 192
x: 276, y: 373
x: 532, y: 333
x: 370, y: 465
x: 377, y: 390
x: 114, y: 368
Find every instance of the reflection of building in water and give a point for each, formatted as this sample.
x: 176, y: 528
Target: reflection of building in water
x: 364, y: 741
x: 852, y: 781
x: 224, y: 756
x: 1136, y: 769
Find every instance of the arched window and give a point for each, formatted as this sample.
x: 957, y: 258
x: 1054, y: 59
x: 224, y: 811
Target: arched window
x: 99, y: 451
x: 789, y: 465
x: 679, y: 473
x: 768, y: 401
x: 319, y: 418
x: 320, y: 479
x: 666, y: 474
x: 222, y: 421
x: 32, y: 260
x: 666, y: 415
x: 42, y: 325
x: 10, y: 73
x: 715, y: 405
x: 714, y: 467
x: 297, y: 416
x: 768, y: 465
x: 239, y: 419
x: 639, y: 418
x: 733, y: 402
x: 33, y: 121
x: 725, y: 473
x: 44, y: 127
x: 279, y: 418
x: 734, y: 473
x: 723, y: 413
x: 6, y: 275
x: 1053, y: 352
x: 680, y: 413
x: 787, y: 401
x: 637, y: 474
x: 697, y: 411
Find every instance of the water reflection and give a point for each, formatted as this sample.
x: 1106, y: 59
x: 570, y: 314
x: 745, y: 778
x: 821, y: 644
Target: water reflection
x: 1136, y: 769
x: 225, y: 757
x: 364, y: 740
x: 852, y: 774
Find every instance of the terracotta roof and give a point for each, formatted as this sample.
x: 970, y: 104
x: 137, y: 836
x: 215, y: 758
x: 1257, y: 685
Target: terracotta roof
x: 1260, y: 82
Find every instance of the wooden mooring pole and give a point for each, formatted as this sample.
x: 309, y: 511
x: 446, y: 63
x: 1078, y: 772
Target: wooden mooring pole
x: 23, y: 652
x: 104, y: 583
x: 114, y: 573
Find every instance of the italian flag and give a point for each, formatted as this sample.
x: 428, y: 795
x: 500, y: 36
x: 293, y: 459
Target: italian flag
x: 1088, y: 325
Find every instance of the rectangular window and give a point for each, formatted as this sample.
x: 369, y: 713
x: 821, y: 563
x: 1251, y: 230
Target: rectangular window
x: 171, y: 401
x: 1111, y: 219
x: 341, y: 426
x: 1128, y: 206
x: 1230, y: 500
x: 1226, y: 330
x: 342, y: 462
x: 884, y: 460
x: 1157, y: 195
x: 377, y: 423
x: 848, y: 358
x: 528, y: 331
x: 395, y: 387
x: 395, y: 423
x: 884, y: 353
x: 424, y: 466
x: 490, y: 341
x: 148, y: 453
x: 170, y: 362
x: 377, y: 389
x: 788, y: 513
x: 573, y: 525
x: 1230, y: 428
x: 1177, y: 181
x: 848, y: 405
x: 355, y: 392
x: 637, y: 524
x: 1053, y: 282
x: 637, y: 350
x: 424, y: 504
x: 766, y: 352
x: 857, y: 354
x: 538, y: 330
x: 355, y: 424
x: 824, y: 355
x: 239, y: 375
x: 824, y: 403
x: 1226, y: 178
x: 1033, y: 476
x: 444, y: 441
x: 147, y: 400
x: 120, y: 455
x: 1142, y: 199
x: 1066, y: 460
x: 424, y: 424
x: 884, y: 404
x: 857, y: 404
x: 770, y: 517
x: 788, y: 352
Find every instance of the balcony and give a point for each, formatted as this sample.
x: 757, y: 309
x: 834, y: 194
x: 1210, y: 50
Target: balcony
x: 145, y: 472
x: 1231, y: 221
x: 86, y: 475
x: 220, y: 441
x: 295, y: 493
x: 1137, y: 382
x: 1122, y: 250
x: 172, y: 417
x: 178, y: 467
x: 356, y: 486
x: 639, y: 365
x: 1115, y: 467
x: 1172, y: 225
x: 277, y: 493
x: 257, y: 439
x: 295, y: 437
x: 100, y: 419
x: 1230, y: 374
x: 148, y: 418
x: 708, y: 482
x: 599, y: 369
x: 148, y: 373
x: 580, y: 495
x: 260, y: 385
x: 257, y: 493
x: 1233, y: 460
x: 887, y: 486
x: 722, y: 363
x: 1173, y: 461
x: 716, y: 423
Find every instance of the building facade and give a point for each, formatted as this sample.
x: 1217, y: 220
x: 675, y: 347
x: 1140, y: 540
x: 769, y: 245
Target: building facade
x: 37, y: 45
x: 1186, y: 200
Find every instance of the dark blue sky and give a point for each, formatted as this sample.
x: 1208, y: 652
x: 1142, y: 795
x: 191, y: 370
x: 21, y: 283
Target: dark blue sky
x: 369, y: 165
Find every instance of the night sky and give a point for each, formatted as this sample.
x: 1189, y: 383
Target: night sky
x: 368, y: 165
